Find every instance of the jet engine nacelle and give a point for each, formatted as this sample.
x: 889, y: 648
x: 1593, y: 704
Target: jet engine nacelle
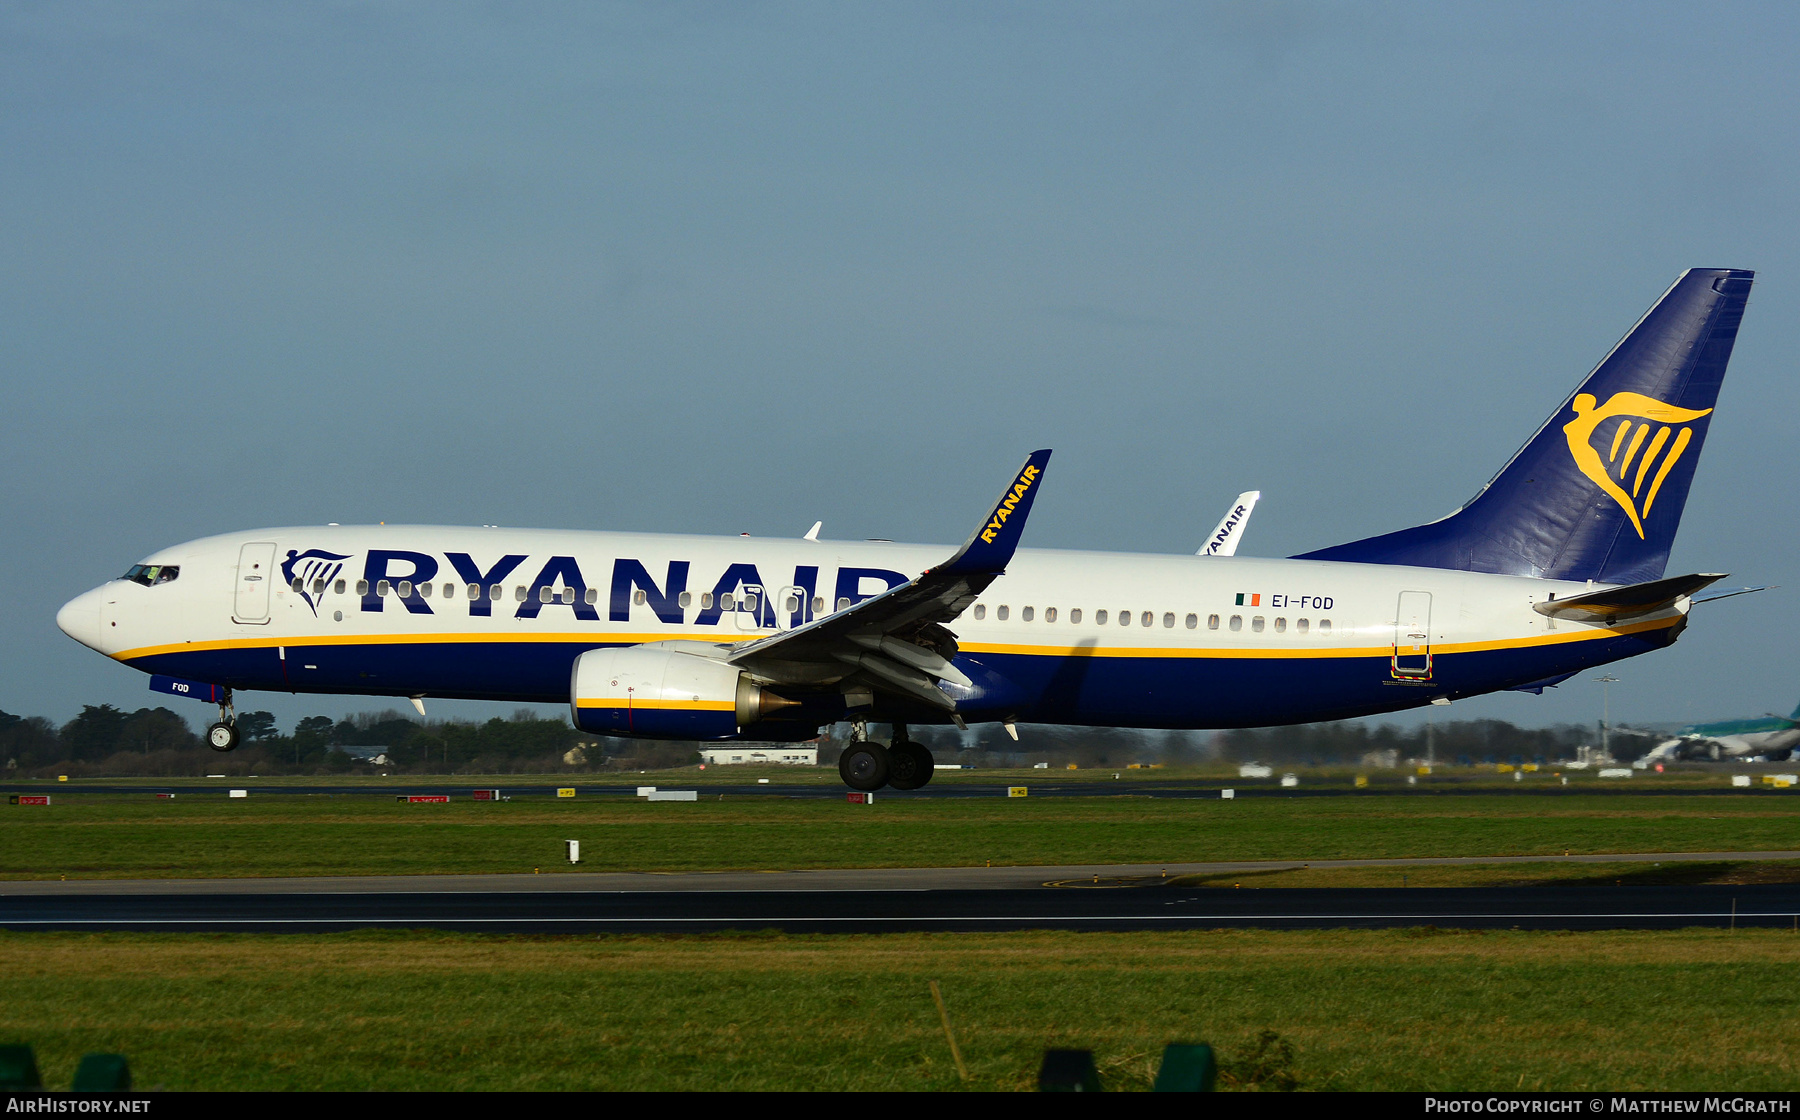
x: 656, y: 693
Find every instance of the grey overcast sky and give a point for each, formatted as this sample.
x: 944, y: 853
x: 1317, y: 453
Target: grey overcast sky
x: 733, y: 267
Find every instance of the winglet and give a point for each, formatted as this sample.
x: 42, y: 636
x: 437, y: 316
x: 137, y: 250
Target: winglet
x: 1230, y: 529
x: 993, y: 544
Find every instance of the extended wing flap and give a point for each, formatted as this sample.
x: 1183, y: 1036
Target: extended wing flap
x: 1631, y: 601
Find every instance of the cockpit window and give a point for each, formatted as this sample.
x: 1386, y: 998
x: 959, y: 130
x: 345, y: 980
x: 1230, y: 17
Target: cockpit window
x: 149, y: 574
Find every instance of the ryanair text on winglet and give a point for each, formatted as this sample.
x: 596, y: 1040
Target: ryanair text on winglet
x: 1027, y: 478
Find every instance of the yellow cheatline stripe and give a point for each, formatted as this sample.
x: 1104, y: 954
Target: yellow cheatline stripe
x: 315, y: 641
x: 1299, y: 651
x: 674, y: 705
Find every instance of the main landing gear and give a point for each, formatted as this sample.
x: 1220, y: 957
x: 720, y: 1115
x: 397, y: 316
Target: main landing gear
x: 867, y: 766
x: 223, y: 735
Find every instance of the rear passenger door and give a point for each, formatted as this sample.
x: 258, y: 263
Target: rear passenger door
x: 1412, y: 636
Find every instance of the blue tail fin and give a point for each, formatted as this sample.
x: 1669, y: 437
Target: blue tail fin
x: 1597, y: 493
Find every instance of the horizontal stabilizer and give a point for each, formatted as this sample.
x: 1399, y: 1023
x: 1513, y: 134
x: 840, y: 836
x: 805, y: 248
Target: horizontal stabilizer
x: 1633, y: 601
x: 1726, y: 593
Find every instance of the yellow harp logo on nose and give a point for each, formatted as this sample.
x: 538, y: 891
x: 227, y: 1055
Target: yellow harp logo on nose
x: 1638, y: 416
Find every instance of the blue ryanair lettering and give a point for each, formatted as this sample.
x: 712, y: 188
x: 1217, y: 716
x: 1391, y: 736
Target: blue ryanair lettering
x: 565, y: 570
x: 806, y: 578
x: 628, y: 574
x: 376, y: 568
x: 850, y: 583
x: 736, y: 576
x: 471, y: 573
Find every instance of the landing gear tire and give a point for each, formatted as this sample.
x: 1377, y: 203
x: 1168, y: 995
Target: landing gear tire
x: 864, y: 766
x: 910, y: 765
x: 222, y: 737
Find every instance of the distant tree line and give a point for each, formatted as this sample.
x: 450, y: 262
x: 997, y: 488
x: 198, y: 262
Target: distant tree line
x: 154, y: 742
x: 1463, y: 742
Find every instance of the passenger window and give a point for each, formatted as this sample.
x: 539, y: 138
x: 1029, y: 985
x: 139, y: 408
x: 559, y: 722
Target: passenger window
x: 843, y: 604
x: 1099, y: 618
x: 685, y: 600
x: 1300, y: 625
x: 728, y: 602
x: 406, y: 589
x: 495, y: 592
x: 1075, y: 617
x: 568, y: 594
x: 1256, y: 624
x: 425, y: 591
x: 544, y: 595
x: 818, y: 604
x: 1193, y: 622
x: 518, y: 593
x: 1000, y: 612
x: 1281, y: 626
x: 362, y: 587
x: 980, y: 611
x: 297, y: 584
x: 1212, y: 622
x: 791, y: 603
x: 449, y: 591
x: 1324, y: 626
x: 1049, y: 614
x: 1237, y: 622
x: 706, y: 600
x: 593, y: 596
x: 318, y: 587
x: 1025, y: 614
x: 749, y: 602
x: 1168, y: 620
x: 637, y: 597
x: 1124, y: 618
x: 338, y: 588
x: 381, y: 589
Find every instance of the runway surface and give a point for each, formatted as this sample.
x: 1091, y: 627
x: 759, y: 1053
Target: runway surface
x: 891, y: 911
x: 876, y: 901
x: 1026, y: 877
x: 1180, y: 788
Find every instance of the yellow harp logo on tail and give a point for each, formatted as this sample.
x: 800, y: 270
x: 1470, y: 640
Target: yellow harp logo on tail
x: 1641, y: 418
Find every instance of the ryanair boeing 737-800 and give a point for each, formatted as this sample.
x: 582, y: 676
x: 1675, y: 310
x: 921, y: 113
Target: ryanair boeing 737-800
x: 1555, y: 566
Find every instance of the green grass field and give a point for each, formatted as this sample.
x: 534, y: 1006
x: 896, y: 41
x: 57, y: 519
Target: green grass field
x: 128, y: 835
x: 1404, y: 1010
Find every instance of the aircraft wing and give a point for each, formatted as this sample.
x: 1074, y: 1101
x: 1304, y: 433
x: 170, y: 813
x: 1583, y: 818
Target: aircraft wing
x: 1630, y: 601
x: 896, y: 641
x: 1224, y: 538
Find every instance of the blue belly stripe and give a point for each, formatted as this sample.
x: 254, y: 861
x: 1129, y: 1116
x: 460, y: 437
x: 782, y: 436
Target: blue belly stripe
x: 1149, y: 692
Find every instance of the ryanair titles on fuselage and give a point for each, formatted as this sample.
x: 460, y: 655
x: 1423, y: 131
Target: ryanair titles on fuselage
x: 406, y: 577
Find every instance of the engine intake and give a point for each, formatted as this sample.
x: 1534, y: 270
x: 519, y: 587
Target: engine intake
x: 651, y: 693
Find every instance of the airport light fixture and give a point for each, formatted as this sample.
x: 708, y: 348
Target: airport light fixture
x: 1606, y: 682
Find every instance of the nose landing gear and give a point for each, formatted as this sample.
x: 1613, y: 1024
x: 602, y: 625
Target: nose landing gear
x: 223, y: 735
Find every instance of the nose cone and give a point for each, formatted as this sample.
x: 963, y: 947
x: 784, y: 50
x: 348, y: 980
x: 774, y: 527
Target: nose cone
x: 80, y: 618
